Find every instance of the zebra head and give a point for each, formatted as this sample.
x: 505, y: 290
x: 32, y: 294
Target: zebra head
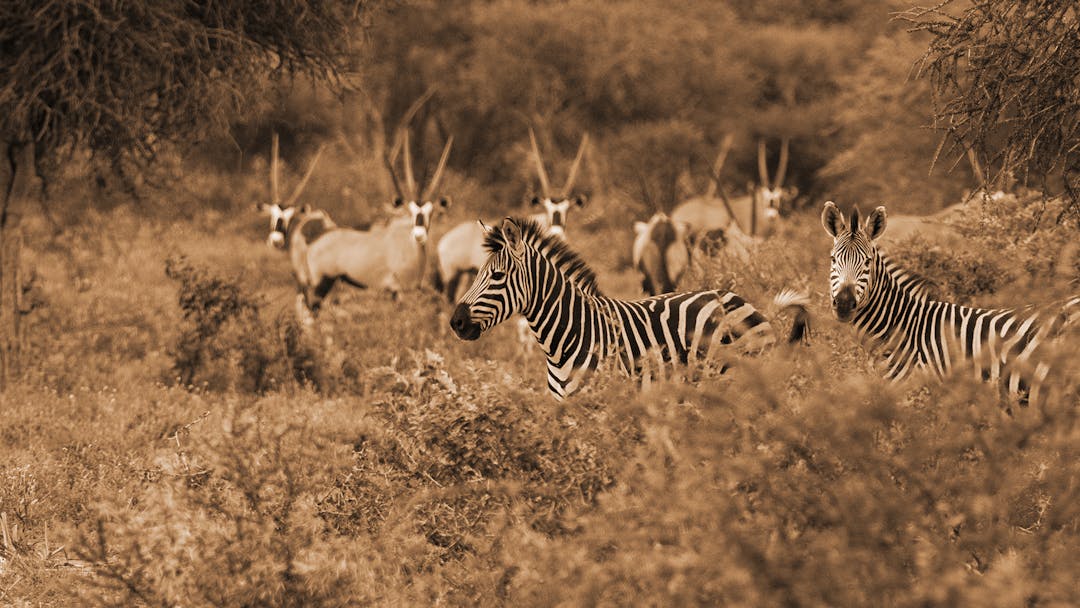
x: 498, y: 290
x: 853, y: 253
x: 280, y: 218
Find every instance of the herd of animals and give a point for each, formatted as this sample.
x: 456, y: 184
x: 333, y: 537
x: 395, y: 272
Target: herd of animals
x: 525, y: 266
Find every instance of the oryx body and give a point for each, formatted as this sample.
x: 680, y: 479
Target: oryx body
x: 660, y: 253
x: 732, y: 220
x: 461, y: 250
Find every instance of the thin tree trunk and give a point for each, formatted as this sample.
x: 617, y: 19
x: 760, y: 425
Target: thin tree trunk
x: 11, y: 331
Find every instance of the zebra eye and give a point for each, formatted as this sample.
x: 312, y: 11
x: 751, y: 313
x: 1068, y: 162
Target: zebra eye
x: 498, y: 275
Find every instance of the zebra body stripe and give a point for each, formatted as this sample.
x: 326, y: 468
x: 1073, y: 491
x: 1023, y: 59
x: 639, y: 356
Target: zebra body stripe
x: 579, y: 328
x: 891, y: 308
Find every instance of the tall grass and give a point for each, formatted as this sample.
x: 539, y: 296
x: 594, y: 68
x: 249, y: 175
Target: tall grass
x: 406, y: 467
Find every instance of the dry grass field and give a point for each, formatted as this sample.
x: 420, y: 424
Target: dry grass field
x: 376, y: 459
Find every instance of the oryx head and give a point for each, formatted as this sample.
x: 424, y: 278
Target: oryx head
x: 282, y: 214
x: 771, y: 195
x: 420, y: 204
x: 557, y: 204
x: 851, y: 268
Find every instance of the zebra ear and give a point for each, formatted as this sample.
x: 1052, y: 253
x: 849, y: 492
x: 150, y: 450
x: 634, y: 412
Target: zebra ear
x: 512, y: 236
x: 875, y: 224
x: 833, y: 220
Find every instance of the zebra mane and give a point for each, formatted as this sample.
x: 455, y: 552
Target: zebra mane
x: 555, y: 249
x: 913, y: 283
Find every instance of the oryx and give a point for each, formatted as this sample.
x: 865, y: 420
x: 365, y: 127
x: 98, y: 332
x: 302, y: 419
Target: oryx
x: 752, y: 215
x: 660, y: 251
x: 390, y: 256
x: 461, y: 250
x: 940, y: 227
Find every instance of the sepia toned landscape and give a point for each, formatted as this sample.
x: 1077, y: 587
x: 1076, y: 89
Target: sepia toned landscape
x: 190, y: 417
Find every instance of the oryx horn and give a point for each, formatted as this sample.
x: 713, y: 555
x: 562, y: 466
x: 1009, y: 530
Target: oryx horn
x: 976, y: 167
x: 275, y: 198
x: 545, y: 186
x: 429, y: 191
x: 410, y: 181
x: 303, y: 182
x: 718, y: 165
x: 781, y: 167
x: 763, y: 171
x: 571, y: 177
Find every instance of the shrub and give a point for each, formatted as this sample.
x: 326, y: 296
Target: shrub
x: 227, y: 344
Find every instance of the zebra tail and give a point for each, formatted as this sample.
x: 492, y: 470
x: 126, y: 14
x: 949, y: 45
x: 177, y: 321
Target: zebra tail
x: 791, y: 300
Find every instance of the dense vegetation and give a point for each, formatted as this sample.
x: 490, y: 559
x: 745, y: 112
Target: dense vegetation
x: 181, y: 440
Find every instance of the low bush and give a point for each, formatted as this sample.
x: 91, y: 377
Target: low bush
x: 226, y: 342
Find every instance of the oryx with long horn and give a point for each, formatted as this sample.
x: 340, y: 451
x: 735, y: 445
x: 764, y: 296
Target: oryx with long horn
x: 711, y: 219
x: 660, y: 251
x: 556, y: 204
x: 391, y: 256
x: 461, y: 250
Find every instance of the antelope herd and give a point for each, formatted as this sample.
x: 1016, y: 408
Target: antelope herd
x: 527, y: 267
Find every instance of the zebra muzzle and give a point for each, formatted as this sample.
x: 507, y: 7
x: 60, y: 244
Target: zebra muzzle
x: 844, y: 303
x: 463, y: 325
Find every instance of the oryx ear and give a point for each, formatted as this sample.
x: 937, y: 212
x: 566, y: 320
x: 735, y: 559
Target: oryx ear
x: 640, y: 227
x: 398, y: 202
x: 832, y: 219
x: 853, y: 223
x: 580, y: 200
x: 792, y: 193
x: 445, y: 202
x: 305, y: 209
x: 535, y: 201
x: 875, y: 224
x: 512, y: 236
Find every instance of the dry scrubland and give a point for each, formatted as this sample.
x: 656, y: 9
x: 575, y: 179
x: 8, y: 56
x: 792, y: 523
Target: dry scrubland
x: 380, y: 460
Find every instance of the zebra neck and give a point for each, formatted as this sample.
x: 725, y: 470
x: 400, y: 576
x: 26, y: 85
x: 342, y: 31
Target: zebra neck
x: 895, y: 297
x: 561, y: 315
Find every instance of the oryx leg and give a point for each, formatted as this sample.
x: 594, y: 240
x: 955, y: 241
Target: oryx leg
x: 315, y: 295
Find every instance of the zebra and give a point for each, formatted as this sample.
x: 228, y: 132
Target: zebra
x: 536, y: 274
x: 892, y: 307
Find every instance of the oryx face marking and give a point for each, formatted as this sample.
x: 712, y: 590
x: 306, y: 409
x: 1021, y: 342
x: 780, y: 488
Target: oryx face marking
x: 555, y: 211
x: 851, y: 264
x: 496, y: 293
x: 421, y: 213
x: 280, y: 217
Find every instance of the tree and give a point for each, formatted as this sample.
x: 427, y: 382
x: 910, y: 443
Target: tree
x: 1006, y: 82
x: 124, y: 79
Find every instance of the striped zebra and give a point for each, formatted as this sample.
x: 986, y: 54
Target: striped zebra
x: 535, y: 273
x: 891, y: 307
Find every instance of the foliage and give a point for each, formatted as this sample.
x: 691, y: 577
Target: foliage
x: 121, y: 79
x: 1006, y: 81
x: 226, y: 343
x: 883, y: 115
